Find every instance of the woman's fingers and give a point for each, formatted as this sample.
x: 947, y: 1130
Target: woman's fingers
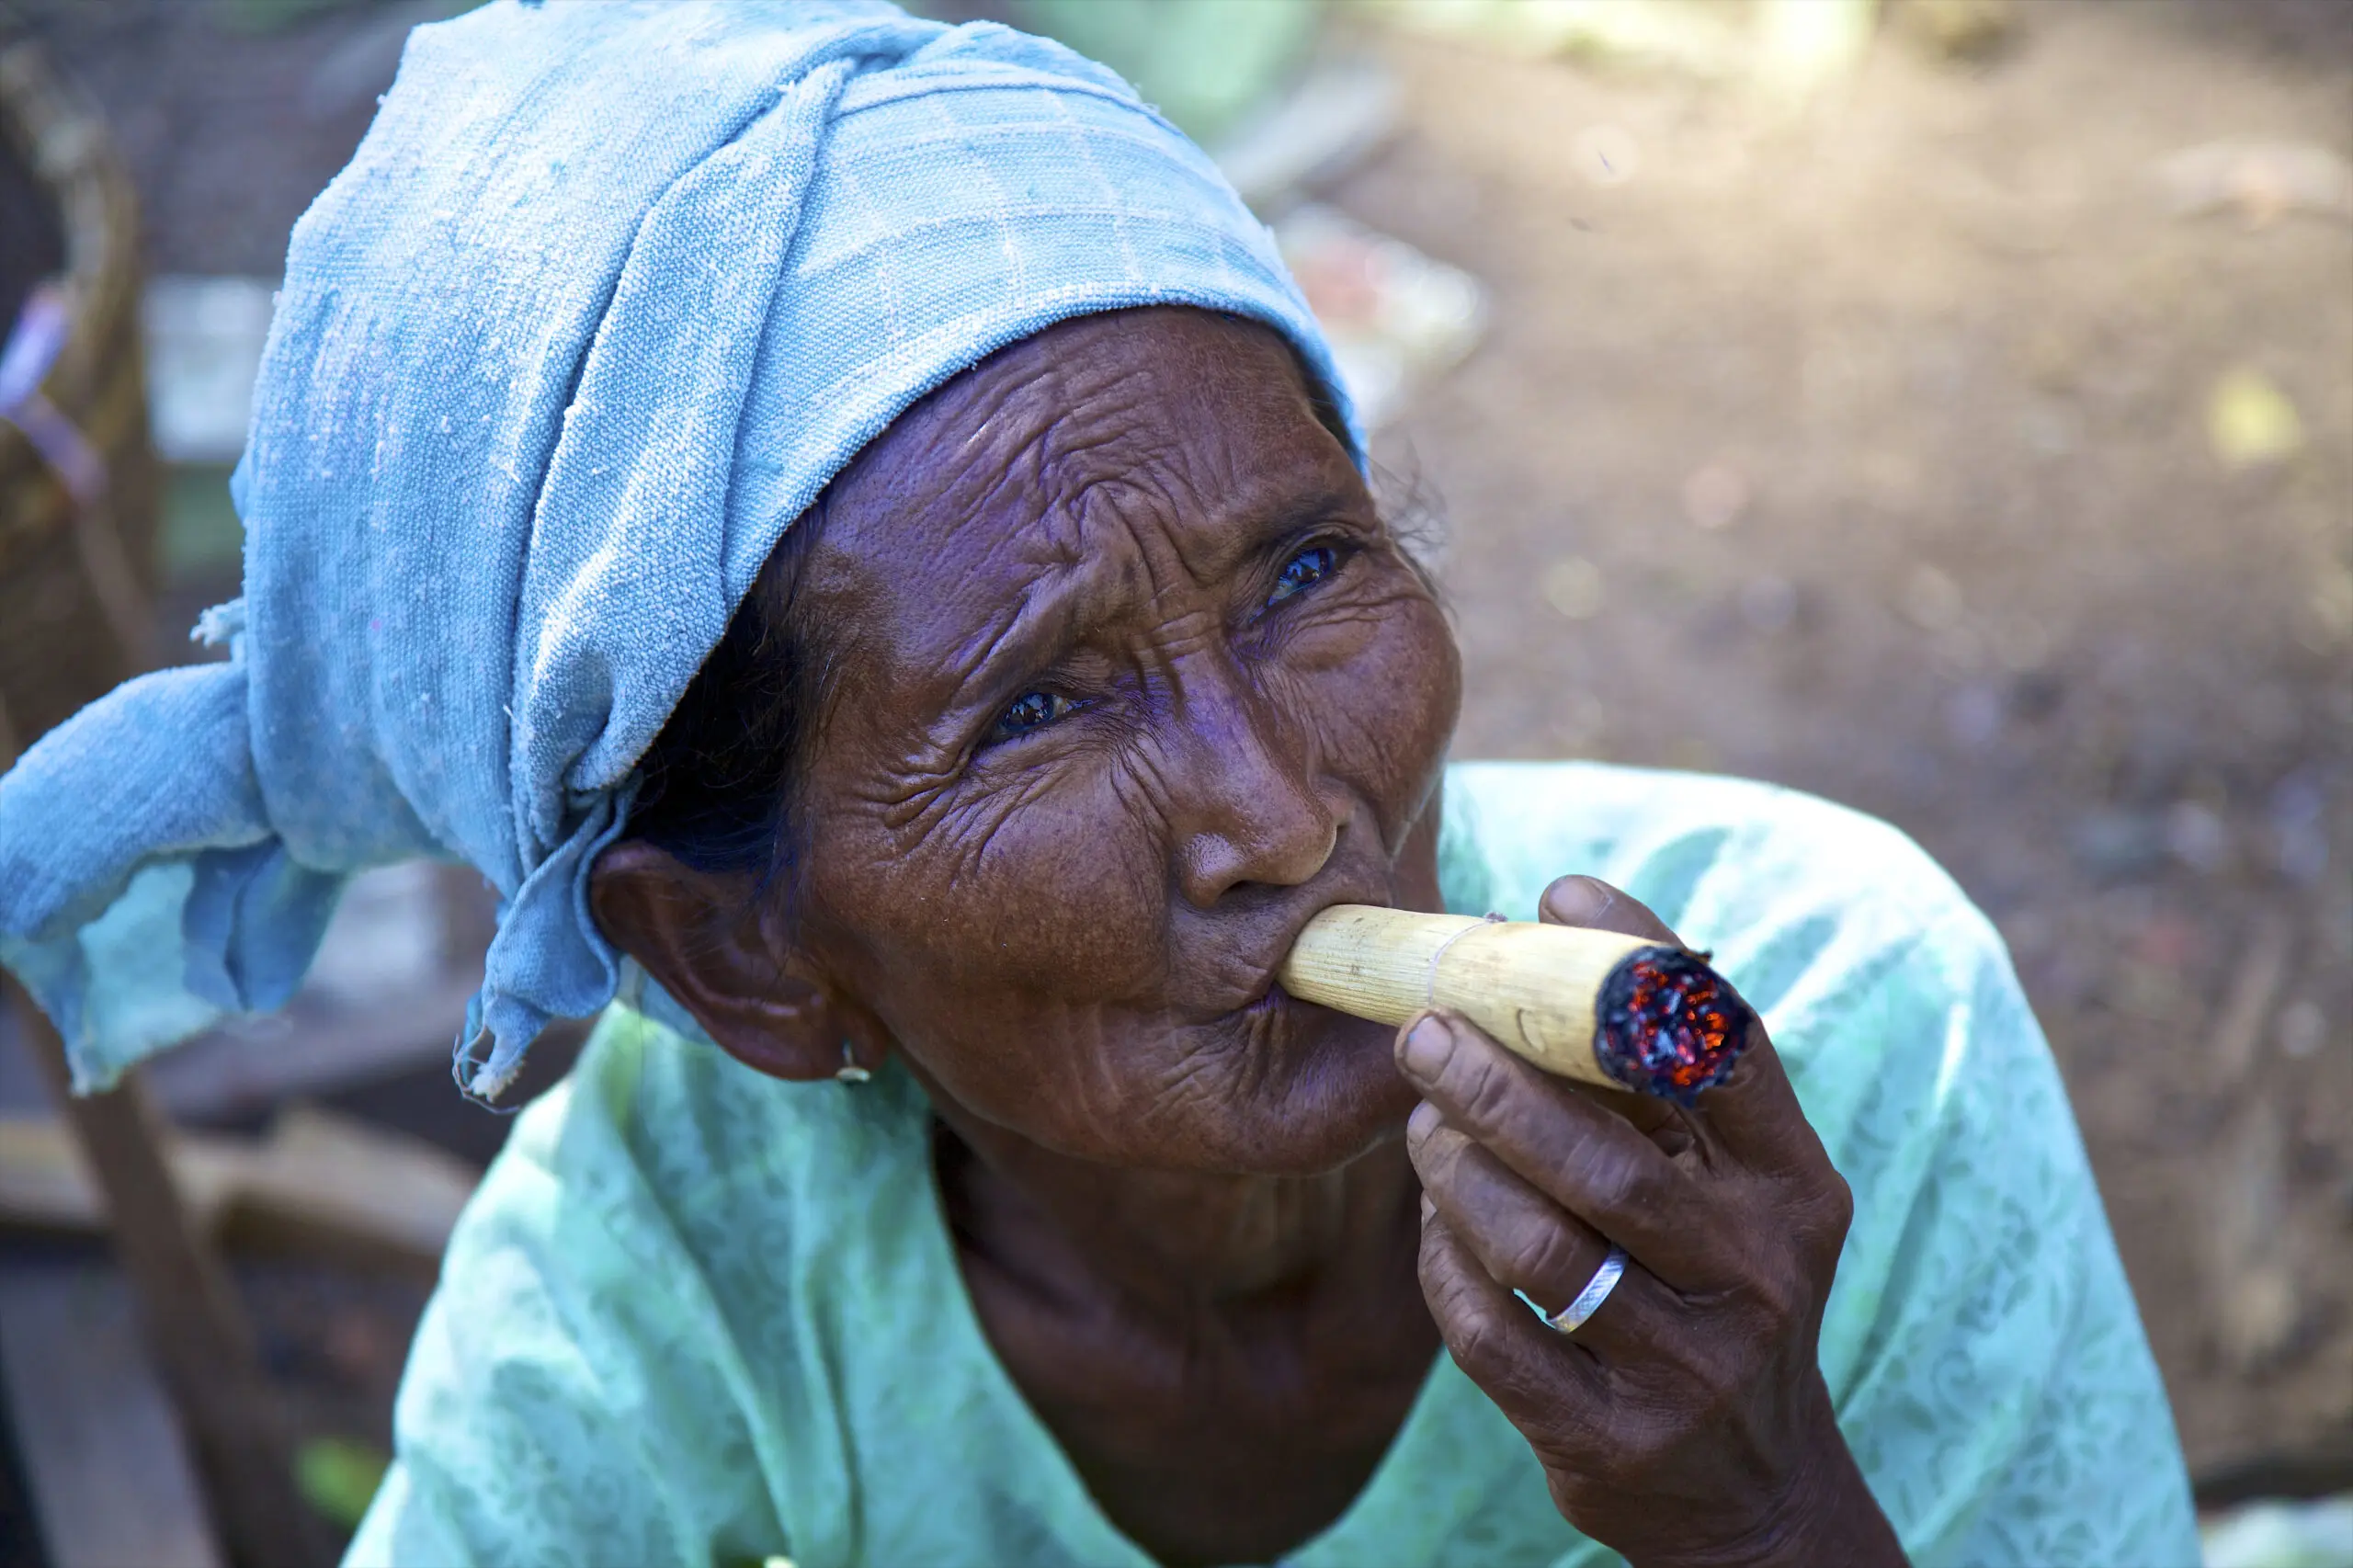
x: 1541, y: 1379
x: 1753, y: 1114
x: 1593, y: 903
x: 1521, y: 1239
x: 1696, y: 1377
x: 1589, y: 1161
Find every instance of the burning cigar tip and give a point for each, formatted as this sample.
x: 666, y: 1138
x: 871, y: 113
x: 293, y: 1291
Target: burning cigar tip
x: 1666, y: 1024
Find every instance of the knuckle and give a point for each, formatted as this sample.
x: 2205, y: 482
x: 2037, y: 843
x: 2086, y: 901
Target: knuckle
x: 1452, y: 1300
x: 1838, y: 1207
x: 1483, y: 1086
x: 1437, y: 1291
x: 1625, y: 1185
x: 1822, y: 1261
x: 1541, y: 1255
x: 1436, y: 1156
x: 1449, y: 1304
x: 1479, y: 1344
x: 1779, y: 1298
x: 1435, y: 1267
x: 1820, y: 1214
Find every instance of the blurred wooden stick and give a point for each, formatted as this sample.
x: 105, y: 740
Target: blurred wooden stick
x: 2256, y: 985
x: 2258, y: 1310
x: 189, y: 1310
x: 89, y: 1411
x: 320, y: 1185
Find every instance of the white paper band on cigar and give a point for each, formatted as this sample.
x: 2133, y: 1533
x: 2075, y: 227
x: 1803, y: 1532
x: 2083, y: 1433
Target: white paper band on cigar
x: 1429, y: 981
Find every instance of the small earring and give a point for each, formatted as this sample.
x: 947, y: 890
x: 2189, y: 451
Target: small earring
x: 849, y: 1072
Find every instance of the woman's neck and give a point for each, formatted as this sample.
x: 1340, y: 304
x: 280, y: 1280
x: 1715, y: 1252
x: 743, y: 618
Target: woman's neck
x: 1225, y: 1359
x: 1176, y: 1247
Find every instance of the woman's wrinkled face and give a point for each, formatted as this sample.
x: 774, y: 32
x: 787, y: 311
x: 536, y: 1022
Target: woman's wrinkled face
x: 1132, y: 681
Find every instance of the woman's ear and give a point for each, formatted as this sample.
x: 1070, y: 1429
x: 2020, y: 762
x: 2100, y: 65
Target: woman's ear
x: 702, y: 936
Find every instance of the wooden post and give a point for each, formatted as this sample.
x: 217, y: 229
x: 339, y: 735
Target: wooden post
x: 194, y: 1322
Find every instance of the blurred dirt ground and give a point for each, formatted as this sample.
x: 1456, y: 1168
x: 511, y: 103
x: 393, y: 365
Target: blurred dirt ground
x: 1869, y: 453
x: 1873, y: 450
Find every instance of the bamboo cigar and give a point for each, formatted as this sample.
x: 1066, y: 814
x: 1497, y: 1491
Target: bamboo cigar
x: 1593, y: 1006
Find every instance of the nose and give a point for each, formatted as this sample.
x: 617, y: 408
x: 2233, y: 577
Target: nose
x: 1248, y: 810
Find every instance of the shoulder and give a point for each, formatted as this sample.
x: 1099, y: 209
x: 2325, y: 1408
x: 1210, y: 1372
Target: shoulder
x: 1782, y: 886
x: 1888, y: 995
x: 660, y: 1151
x: 604, y: 1221
x: 1698, y: 838
x: 624, y: 1312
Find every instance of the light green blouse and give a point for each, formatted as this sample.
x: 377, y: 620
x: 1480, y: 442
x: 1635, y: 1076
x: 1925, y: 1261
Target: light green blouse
x: 698, y: 1315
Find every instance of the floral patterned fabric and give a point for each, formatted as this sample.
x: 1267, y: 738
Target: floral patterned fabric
x: 696, y: 1316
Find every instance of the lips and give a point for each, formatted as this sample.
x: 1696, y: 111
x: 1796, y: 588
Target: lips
x: 1265, y: 995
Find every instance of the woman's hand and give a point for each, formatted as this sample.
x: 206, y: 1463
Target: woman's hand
x: 1686, y: 1421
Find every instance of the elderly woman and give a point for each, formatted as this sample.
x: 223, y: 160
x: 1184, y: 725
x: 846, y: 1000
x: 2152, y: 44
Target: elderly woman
x: 847, y: 523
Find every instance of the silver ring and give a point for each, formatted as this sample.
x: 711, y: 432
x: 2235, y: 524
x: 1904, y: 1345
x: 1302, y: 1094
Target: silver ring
x: 1572, y: 1317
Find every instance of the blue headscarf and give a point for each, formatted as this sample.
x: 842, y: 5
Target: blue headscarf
x: 606, y: 296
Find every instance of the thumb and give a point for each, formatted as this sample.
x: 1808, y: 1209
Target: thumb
x: 1593, y: 903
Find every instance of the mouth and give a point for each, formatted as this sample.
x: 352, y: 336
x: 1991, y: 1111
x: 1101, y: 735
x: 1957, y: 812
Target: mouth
x: 1270, y: 1001
x: 1268, y: 997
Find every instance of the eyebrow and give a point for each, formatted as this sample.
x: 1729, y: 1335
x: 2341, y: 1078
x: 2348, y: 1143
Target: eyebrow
x: 1017, y: 656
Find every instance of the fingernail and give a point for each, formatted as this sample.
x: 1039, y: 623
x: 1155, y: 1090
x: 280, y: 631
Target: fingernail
x: 1427, y: 1044
x: 1575, y: 899
x: 1422, y: 1122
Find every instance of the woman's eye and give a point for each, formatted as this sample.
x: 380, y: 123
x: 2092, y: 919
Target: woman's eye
x: 1032, y: 710
x: 1310, y: 566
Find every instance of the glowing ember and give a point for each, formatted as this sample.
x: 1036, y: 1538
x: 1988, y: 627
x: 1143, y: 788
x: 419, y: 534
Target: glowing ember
x: 1666, y: 1023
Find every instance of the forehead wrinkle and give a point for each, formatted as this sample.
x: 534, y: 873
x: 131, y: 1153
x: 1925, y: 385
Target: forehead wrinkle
x: 1021, y: 488
x: 1117, y: 474
x: 1070, y: 502
x: 1138, y: 533
x: 1034, y: 420
x: 1202, y: 504
x: 1083, y: 561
